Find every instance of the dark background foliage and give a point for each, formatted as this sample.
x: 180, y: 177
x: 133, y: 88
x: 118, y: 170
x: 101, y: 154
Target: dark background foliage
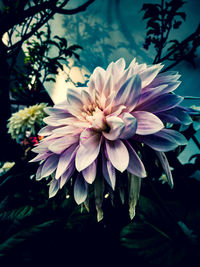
x: 37, y: 231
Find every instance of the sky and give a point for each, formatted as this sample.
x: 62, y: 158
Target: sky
x: 108, y: 31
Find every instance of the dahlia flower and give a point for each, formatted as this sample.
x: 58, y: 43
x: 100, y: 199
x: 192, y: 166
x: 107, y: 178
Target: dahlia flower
x: 96, y: 132
x: 26, y: 120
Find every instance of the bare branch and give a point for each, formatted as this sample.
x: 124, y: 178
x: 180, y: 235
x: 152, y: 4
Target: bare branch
x: 75, y: 10
x: 188, y: 39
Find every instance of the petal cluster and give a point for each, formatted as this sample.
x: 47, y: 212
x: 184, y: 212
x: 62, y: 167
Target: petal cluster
x: 95, y: 130
x: 27, y: 119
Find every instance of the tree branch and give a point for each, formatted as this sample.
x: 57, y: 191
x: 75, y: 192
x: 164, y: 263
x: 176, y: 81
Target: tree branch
x: 28, y: 35
x: 75, y: 10
x: 188, y: 39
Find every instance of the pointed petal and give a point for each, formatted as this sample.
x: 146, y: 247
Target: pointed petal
x: 130, y: 125
x: 47, y: 130
x: 163, y: 141
x: 129, y: 93
x: 49, y: 166
x: 149, y: 74
x: 108, y: 86
x: 176, y: 136
x: 54, y: 120
x: 65, y: 160
x: 40, y: 156
x: 75, y: 104
x: 161, y: 103
x: 53, y: 110
x: 165, y: 164
x: 147, y: 123
x: 108, y: 172
x: 89, y: 173
x: 38, y: 173
x: 80, y: 190
x: 88, y: 150
x: 60, y: 144
x: 117, y: 154
x: 120, y: 65
x: 135, y: 165
x: 67, y: 175
x: 53, y: 188
x: 175, y: 115
x: 86, y: 98
x: 98, y: 77
x: 116, y: 126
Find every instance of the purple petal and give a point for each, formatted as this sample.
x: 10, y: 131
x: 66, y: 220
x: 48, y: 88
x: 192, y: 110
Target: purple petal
x: 147, y: 123
x: 65, y: 160
x: 116, y: 126
x: 80, y: 190
x: 120, y: 65
x: 129, y: 93
x: 162, y: 141
x: 53, y: 188
x: 161, y: 103
x: 67, y: 175
x: 162, y: 78
x: 135, y: 165
x: 54, y: 120
x: 178, y: 137
x: 86, y: 98
x: 149, y: 74
x: 75, y: 104
x: 89, y: 173
x: 117, y: 154
x: 99, y: 78
x: 47, y: 130
x: 175, y: 115
x: 70, y: 129
x: 60, y: 144
x: 130, y: 125
x: 108, y: 172
x: 49, y: 166
x: 165, y: 164
x: 108, y: 86
x: 41, y: 156
x: 88, y: 150
x: 53, y: 110
x: 38, y: 173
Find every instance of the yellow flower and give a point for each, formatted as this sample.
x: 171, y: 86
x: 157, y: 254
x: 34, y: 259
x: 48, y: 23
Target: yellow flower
x: 26, y: 120
x: 6, y: 167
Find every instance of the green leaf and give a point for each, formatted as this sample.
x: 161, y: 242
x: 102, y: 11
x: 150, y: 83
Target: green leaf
x: 22, y: 236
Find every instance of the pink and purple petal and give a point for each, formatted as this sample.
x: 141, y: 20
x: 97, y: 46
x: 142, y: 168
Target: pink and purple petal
x: 89, y: 173
x: 108, y: 172
x: 130, y: 125
x: 49, y: 166
x: 147, y: 123
x: 90, y: 143
x: 117, y: 154
x: 53, y: 188
x: 135, y: 165
x: 80, y: 189
x: 129, y: 93
x: 116, y: 127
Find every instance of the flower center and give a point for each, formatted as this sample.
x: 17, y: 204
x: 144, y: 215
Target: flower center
x: 95, y: 116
